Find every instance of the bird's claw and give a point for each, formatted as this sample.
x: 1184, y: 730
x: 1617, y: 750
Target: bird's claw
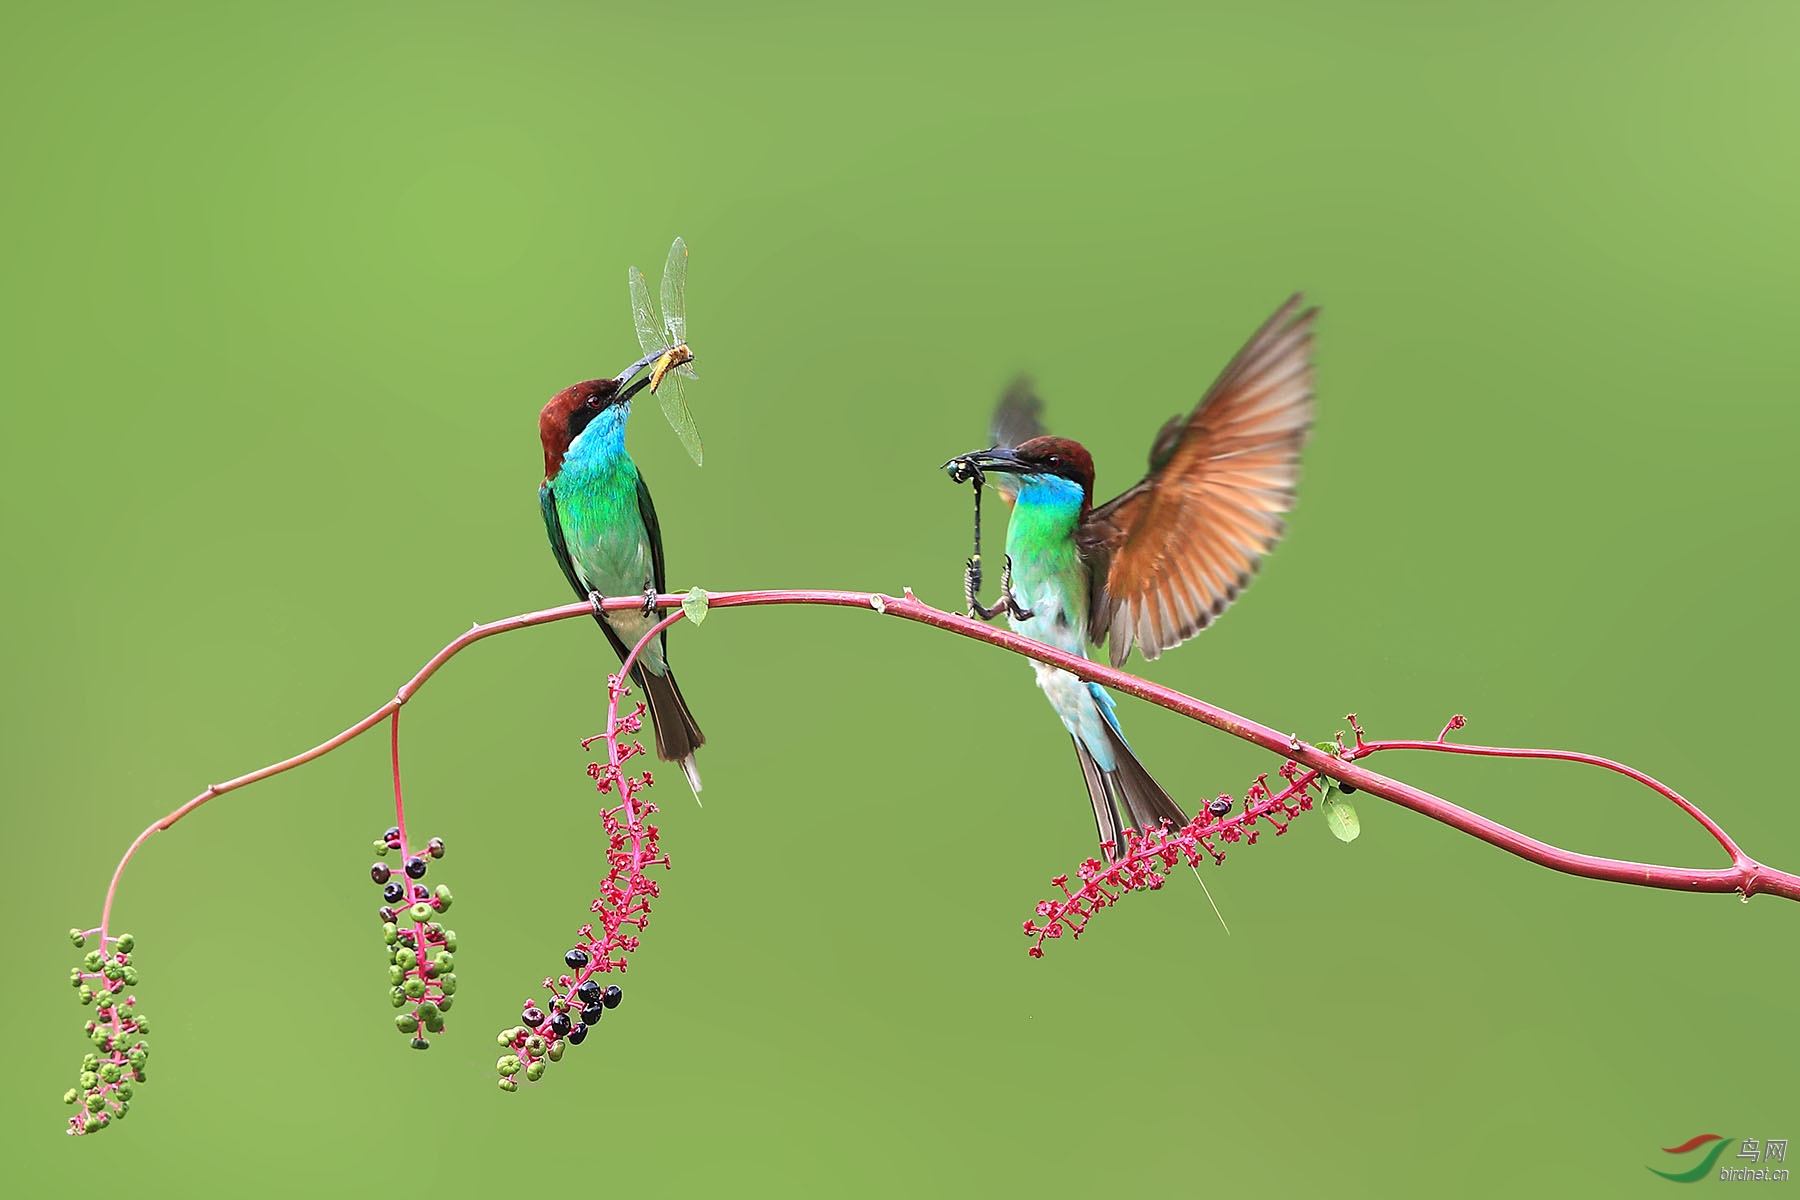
x: 972, y: 592
x: 1009, y: 603
x: 599, y: 603
x: 650, y: 599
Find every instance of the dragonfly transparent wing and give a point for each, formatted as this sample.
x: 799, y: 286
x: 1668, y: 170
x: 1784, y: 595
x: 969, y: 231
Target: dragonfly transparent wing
x: 643, y: 314
x: 674, y: 406
x: 674, y: 293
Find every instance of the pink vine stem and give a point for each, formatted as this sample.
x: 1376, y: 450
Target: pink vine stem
x: 1745, y: 876
x: 399, y: 804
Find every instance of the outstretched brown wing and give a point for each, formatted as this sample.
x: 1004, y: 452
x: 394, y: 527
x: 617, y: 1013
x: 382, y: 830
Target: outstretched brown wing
x: 1169, y: 555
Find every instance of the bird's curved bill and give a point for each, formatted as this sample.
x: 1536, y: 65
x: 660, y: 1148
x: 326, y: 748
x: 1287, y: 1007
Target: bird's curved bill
x: 623, y: 376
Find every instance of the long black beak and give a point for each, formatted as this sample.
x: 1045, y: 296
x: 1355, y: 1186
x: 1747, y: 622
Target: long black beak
x: 632, y: 390
x: 635, y: 367
x: 977, y: 463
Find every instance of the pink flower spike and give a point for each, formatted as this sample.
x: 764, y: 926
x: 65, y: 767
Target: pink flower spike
x: 623, y: 903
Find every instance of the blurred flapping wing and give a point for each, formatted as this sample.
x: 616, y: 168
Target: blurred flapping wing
x: 1019, y: 415
x: 1017, y: 418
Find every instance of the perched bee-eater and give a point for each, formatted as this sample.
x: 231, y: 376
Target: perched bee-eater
x: 1155, y: 565
x: 603, y: 531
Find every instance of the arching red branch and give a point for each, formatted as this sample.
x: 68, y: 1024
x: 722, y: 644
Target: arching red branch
x: 1745, y: 875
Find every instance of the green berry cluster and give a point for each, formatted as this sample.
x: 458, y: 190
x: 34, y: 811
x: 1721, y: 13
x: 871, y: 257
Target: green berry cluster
x: 421, y: 952
x: 111, y: 1071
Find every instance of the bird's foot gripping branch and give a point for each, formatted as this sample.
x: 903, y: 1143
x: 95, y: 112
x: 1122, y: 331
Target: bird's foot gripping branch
x: 421, y: 950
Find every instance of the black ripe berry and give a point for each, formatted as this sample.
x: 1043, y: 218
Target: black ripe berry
x: 388, y: 915
x: 576, y: 958
x: 435, y: 847
x: 392, y: 836
x: 380, y: 873
x: 589, y: 991
x: 578, y: 1035
x: 592, y: 1013
x: 532, y: 1016
x: 614, y: 994
x: 1219, y: 807
x: 1349, y: 789
x: 394, y: 892
x: 415, y: 868
x: 561, y: 1023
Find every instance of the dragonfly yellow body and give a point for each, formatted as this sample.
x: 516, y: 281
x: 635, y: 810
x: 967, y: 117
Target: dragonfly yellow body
x: 673, y: 357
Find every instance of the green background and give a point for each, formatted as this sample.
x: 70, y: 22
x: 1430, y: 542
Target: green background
x: 286, y: 289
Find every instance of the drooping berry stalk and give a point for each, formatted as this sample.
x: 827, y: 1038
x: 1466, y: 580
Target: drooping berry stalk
x: 111, y: 1070
x: 577, y: 999
x: 1148, y: 857
x: 421, y: 952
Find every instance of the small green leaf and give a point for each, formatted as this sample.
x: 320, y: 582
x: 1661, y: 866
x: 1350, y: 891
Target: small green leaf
x: 1340, y: 818
x: 694, y: 605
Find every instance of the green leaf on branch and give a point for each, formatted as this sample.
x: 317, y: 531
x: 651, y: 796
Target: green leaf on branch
x: 1340, y: 817
x: 694, y: 605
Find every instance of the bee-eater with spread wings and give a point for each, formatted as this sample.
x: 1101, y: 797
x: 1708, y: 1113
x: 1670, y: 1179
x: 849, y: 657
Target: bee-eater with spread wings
x: 1154, y: 566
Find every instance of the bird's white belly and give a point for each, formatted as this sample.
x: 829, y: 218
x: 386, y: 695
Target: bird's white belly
x: 1069, y: 696
x: 623, y: 568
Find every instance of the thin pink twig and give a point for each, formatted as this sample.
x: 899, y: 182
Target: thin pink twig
x: 1593, y: 760
x: 399, y: 804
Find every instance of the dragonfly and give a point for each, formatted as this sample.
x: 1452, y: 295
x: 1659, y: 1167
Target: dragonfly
x: 663, y: 339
